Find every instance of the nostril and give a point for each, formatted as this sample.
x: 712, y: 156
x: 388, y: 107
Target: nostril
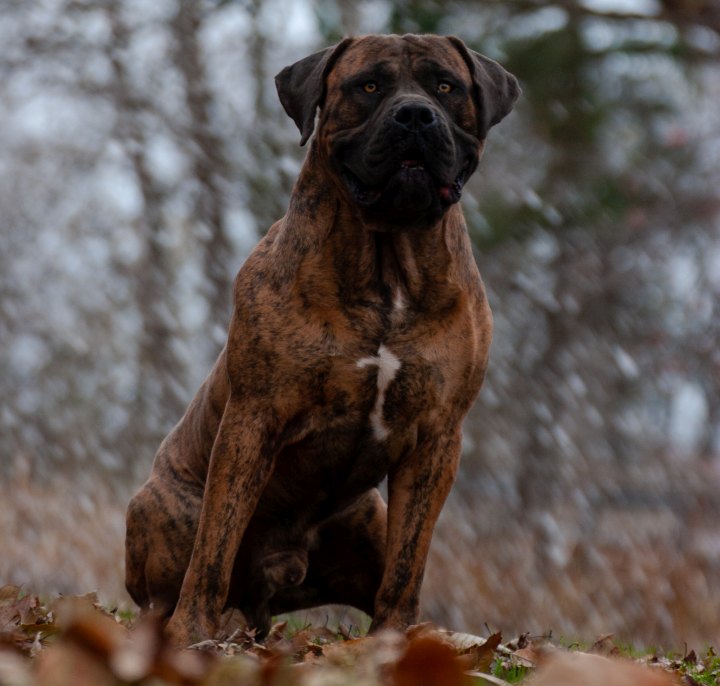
x: 404, y: 115
x: 426, y: 116
x: 415, y: 116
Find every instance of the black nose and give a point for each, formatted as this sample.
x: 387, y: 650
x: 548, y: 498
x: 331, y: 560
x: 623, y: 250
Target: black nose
x: 415, y: 116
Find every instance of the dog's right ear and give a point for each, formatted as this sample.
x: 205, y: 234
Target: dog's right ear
x: 495, y: 89
x: 301, y: 86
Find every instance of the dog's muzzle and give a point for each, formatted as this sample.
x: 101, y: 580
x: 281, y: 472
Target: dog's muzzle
x: 410, y: 169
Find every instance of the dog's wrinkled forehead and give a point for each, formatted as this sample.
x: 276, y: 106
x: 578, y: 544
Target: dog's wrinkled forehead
x: 397, y: 56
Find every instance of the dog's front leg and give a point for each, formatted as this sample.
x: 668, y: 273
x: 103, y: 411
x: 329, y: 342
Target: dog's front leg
x: 240, y: 465
x: 417, y: 489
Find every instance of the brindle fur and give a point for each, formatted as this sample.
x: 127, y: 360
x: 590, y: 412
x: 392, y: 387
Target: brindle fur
x: 264, y: 496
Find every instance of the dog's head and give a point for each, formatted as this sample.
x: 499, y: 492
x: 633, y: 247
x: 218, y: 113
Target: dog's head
x: 402, y: 121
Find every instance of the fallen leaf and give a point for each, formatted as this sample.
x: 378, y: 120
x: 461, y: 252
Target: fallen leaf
x: 94, y: 631
x: 13, y: 610
x: 464, y: 642
x: 237, y: 670
x: 69, y: 665
x: 585, y: 669
x: 347, y: 652
x: 314, y: 651
x: 431, y: 661
x: 690, y: 658
x: 604, y: 645
x: 276, y: 634
x: 371, y: 657
x: 186, y: 667
x: 133, y: 659
x: 416, y: 630
x: 488, y: 678
x: 523, y: 640
x: 479, y: 652
x: 9, y: 594
x: 14, y: 669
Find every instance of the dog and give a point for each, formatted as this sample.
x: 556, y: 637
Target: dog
x: 359, y: 340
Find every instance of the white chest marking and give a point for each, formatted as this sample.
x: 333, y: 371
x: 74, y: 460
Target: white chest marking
x: 399, y: 301
x: 388, y: 365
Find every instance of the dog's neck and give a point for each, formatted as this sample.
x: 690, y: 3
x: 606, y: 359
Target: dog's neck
x: 428, y: 268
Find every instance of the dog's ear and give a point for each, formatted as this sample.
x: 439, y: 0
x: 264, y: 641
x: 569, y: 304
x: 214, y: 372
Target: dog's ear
x: 301, y: 86
x: 496, y: 89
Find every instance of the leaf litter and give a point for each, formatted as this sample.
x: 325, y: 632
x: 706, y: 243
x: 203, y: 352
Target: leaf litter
x: 74, y: 641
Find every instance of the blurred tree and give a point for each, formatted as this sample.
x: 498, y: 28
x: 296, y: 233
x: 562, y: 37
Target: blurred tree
x: 157, y: 402
x: 210, y: 167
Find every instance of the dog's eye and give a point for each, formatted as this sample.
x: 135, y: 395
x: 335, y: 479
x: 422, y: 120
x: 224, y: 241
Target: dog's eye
x: 370, y: 87
x: 445, y: 87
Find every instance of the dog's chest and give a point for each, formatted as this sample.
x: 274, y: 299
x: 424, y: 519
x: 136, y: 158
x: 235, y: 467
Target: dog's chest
x: 386, y: 365
x: 368, y: 417
x: 362, y: 404
x: 351, y: 438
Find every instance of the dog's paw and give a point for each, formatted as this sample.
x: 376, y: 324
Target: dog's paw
x: 182, y: 633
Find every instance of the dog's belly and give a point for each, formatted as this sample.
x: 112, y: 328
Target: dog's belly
x: 326, y: 471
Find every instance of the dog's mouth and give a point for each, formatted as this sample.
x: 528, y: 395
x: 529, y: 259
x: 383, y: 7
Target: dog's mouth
x: 411, y: 173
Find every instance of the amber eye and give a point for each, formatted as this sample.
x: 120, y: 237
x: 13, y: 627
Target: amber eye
x: 370, y: 87
x: 445, y: 87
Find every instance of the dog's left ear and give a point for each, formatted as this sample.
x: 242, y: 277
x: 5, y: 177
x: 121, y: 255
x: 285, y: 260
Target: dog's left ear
x: 301, y: 86
x: 496, y: 89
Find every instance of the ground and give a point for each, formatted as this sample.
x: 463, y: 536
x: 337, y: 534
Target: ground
x: 75, y: 641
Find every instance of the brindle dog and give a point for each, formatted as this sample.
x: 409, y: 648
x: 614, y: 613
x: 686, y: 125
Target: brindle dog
x: 359, y: 340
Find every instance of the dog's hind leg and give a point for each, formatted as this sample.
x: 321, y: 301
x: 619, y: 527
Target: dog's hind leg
x: 161, y: 527
x: 345, y: 561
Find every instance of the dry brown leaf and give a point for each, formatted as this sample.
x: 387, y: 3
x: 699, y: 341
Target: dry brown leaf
x: 237, y: 670
x: 276, y: 634
x: 106, y: 652
x: 14, y: 669
x: 417, y: 630
x: 488, y: 678
x: 431, y: 661
x: 312, y: 635
x: 605, y: 645
x: 314, y: 653
x: 347, y: 652
x: 9, y: 595
x: 483, y: 655
x: 690, y: 658
x: 133, y: 659
x: 584, y: 669
x: 69, y: 665
x: 463, y: 642
x: 276, y: 669
x: 478, y: 652
x: 522, y: 641
x: 186, y: 667
x: 12, y: 608
x: 88, y: 628
x: 23, y: 621
x: 372, y: 658
x: 530, y: 656
x: 526, y: 651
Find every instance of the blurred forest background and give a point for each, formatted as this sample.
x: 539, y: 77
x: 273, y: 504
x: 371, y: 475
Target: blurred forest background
x: 142, y: 153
